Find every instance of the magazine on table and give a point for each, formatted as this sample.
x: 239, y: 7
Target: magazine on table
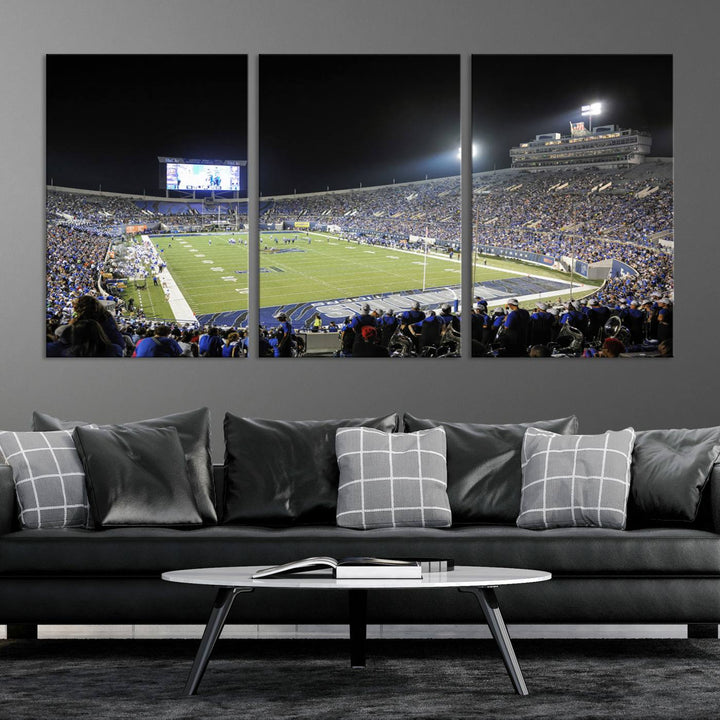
x: 350, y: 568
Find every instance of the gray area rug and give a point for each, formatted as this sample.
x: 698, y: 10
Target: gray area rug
x: 138, y: 679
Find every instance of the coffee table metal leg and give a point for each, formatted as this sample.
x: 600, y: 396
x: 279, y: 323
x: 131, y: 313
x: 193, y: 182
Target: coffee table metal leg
x: 357, y: 601
x: 488, y: 602
x: 221, y: 608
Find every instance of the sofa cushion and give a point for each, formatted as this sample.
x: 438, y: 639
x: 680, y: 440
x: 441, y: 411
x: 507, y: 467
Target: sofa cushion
x: 676, y: 552
x: 575, y: 480
x: 483, y: 465
x: 136, y: 476
x: 392, y: 479
x: 49, y: 478
x: 281, y: 472
x: 193, y: 428
x: 669, y: 472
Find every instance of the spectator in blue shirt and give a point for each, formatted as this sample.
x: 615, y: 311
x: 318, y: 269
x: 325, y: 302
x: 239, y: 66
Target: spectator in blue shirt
x: 284, y: 334
x: 541, y: 326
x: 388, y: 325
x: 514, y: 337
x: 159, y: 345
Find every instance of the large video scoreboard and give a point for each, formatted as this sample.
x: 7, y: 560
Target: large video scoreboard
x: 205, y: 175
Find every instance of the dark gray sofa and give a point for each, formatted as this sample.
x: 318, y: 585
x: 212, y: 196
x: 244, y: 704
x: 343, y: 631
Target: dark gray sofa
x: 660, y: 574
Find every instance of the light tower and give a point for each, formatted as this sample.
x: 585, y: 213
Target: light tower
x: 590, y: 110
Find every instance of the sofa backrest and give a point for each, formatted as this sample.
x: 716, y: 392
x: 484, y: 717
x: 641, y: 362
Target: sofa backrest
x: 710, y: 510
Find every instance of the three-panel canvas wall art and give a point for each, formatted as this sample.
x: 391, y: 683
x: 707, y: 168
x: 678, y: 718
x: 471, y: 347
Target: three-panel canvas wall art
x: 356, y: 234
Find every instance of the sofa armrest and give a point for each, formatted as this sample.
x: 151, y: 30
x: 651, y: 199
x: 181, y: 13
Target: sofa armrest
x: 715, y: 496
x: 7, y: 500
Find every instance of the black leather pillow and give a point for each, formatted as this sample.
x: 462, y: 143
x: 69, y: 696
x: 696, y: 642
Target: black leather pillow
x: 136, y: 476
x: 285, y: 472
x: 193, y: 428
x: 715, y: 496
x: 670, y: 469
x: 483, y: 466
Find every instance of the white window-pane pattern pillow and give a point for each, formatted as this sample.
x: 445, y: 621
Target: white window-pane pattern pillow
x: 49, y: 478
x: 392, y: 479
x: 575, y: 480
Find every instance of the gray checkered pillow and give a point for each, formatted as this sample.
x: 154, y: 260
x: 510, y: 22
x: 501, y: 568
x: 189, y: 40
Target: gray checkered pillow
x: 49, y: 478
x: 392, y: 479
x: 575, y: 480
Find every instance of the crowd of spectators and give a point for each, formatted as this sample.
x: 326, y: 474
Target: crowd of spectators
x: 588, y: 327
x: 415, y: 332
x: 74, y: 262
x: 93, y: 331
x: 91, y: 211
x: 392, y: 212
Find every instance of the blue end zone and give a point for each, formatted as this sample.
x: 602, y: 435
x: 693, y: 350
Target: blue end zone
x: 338, y: 309
x: 516, y: 286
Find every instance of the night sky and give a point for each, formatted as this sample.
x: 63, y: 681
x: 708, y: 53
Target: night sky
x: 109, y: 117
x: 339, y: 121
x: 329, y: 121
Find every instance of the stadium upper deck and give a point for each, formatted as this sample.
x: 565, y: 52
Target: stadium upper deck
x: 606, y: 145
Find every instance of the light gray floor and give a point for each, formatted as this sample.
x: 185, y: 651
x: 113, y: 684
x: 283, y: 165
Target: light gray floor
x: 341, y: 631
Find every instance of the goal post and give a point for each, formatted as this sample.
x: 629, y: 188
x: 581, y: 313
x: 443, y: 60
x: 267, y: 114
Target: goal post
x: 422, y: 243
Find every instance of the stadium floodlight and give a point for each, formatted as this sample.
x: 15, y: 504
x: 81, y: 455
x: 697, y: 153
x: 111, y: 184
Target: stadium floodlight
x: 475, y: 151
x: 590, y: 110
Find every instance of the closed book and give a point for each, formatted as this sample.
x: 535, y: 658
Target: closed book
x: 377, y: 568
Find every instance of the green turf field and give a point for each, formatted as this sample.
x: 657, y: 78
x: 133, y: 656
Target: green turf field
x: 212, y: 273
x: 328, y: 268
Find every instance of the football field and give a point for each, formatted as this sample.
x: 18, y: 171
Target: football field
x: 323, y: 267
x: 298, y: 267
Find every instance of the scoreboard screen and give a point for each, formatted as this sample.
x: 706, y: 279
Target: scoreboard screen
x: 207, y: 175
x: 181, y: 176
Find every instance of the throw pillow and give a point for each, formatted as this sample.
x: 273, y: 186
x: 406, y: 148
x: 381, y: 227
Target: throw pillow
x: 575, y: 480
x: 285, y: 472
x: 49, y: 478
x: 194, y: 430
x: 483, y: 466
x: 392, y: 479
x: 670, y: 469
x: 136, y: 476
x: 715, y: 496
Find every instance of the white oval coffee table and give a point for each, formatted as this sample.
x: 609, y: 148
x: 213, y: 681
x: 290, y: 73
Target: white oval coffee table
x: 479, y: 581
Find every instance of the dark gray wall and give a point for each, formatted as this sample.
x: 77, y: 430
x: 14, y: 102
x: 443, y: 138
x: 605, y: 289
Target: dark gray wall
x: 643, y: 393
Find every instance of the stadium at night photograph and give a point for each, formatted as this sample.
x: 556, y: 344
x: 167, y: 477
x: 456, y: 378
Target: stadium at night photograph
x: 354, y: 244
